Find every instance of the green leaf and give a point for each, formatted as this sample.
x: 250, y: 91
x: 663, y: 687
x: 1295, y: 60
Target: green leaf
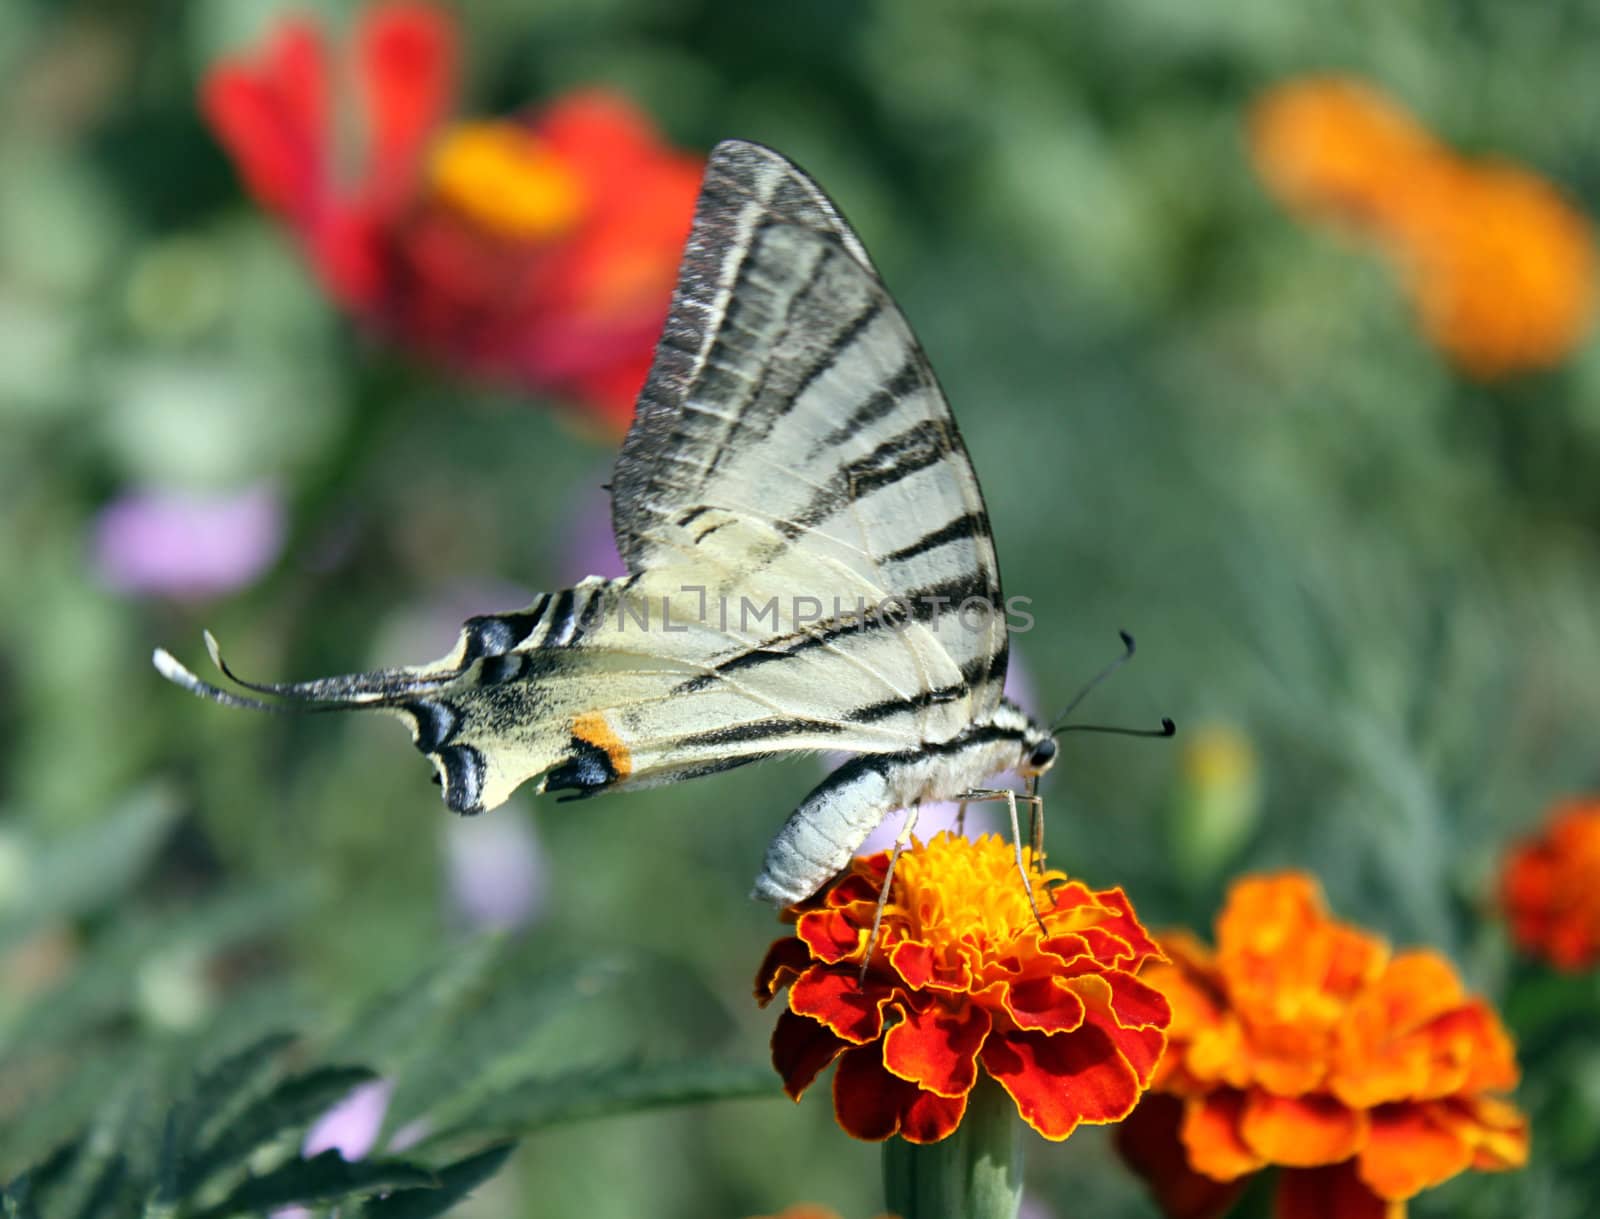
x: 226, y: 1085
x: 92, y: 1178
x: 456, y: 1181
x: 486, y: 1036
x: 602, y: 1092
x: 326, y: 1177
x: 398, y: 1022
x: 291, y: 1104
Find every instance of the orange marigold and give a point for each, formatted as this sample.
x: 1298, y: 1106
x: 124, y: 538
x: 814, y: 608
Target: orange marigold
x: 1303, y: 1042
x: 962, y: 977
x: 1500, y: 268
x: 1338, y: 150
x: 1550, y: 887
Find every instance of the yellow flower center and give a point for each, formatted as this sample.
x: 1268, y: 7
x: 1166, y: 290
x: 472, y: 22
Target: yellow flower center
x: 954, y: 889
x: 501, y: 176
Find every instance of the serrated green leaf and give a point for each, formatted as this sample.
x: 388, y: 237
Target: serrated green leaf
x: 226, y: 1087
x: 392, y: 1027
x: 582, y: 1095
x: 456, y: 1181
x: 487, y: 1032
x: 291, y: 1104
x: 327, y: 1177
x: 91, y: 1178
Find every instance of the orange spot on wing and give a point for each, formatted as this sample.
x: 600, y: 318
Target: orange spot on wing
x: 592, y: 727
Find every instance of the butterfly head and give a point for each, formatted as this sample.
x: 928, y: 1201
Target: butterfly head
x: 1039, y: 752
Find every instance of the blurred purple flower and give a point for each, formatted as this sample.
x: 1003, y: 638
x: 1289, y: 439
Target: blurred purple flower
x: 591, y: 548
x: 981, y: 818
x: 185, y: 545
x: 498, y: 876
x: 351, y: 1127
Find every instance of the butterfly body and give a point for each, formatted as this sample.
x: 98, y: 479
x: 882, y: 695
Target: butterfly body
x: 809, y: 564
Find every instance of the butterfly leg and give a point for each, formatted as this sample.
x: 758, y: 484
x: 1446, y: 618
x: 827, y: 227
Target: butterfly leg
x: 1011, y: 798
x: 961, y: 819
x: 900, y: 841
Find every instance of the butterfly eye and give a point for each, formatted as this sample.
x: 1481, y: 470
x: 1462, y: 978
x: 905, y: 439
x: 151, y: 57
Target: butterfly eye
x: 1043, y: 754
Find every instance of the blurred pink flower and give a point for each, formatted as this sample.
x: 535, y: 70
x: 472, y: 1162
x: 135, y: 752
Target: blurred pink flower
x: 498, y: 876
x: 186, y: 545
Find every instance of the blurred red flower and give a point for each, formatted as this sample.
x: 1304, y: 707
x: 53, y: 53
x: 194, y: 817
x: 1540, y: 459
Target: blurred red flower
x: 962, y: 978
x: 1500, y: 267
x: 538, y: 251
x: 1302, y: 1042
x: 1550, y: 887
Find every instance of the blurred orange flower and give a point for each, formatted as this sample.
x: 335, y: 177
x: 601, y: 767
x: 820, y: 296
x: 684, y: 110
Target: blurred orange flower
x: 538, y: 251
x: 962, y: 978
x: 1303, y: 1042
x: 1500, y: 268
x: 1550, y: 887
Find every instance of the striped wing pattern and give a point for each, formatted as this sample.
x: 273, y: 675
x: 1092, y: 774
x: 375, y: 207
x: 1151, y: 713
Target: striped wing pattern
x: 793, y: 461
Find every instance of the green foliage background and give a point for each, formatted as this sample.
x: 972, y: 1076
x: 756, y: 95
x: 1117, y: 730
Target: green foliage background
x: 1192, y: 417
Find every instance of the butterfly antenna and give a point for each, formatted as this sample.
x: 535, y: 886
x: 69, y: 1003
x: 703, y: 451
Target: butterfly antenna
x: 1089, y: 686
x: 1168, y: 728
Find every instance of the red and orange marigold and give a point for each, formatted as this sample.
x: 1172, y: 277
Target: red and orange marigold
x: 1500, y: 267
x: 1550, y: 887
x: 1304, y: 1043
x: 538, y: 251
x: 962, y: 980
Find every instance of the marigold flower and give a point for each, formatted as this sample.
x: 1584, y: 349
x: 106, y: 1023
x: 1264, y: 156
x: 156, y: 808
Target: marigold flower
x: 962, y: 978
x: 1550, y: 887
x: 538, y: 251
x: 1302, y: 1042
x: 1500, y: 268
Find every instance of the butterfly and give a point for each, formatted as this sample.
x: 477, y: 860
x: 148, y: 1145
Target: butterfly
x: 809, y: 561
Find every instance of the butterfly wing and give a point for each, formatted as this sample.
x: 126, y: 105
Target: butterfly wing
x: 811, y: 566
x: 792, y: 433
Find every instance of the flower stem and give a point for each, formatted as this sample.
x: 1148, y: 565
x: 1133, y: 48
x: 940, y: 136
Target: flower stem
x: 976, y: 1173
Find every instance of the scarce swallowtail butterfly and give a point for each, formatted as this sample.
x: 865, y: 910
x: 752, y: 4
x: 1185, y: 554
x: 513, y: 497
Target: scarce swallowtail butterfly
x: 810, y: 566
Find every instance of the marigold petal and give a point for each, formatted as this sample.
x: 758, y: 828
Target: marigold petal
x: 831, y: 936
x: 1496, y: 1130
x: 1141, y: 1047
x: 1148, y: 1143
x: 931, y: 1117
x: 1301, y: 1131
x: 866, y: 1099
x: 937, y: 1049
x: 1047, y: 1004
x: 1210, y: 1134
x: 1330, y: 1192
x: 785, y: 961
x: 1473, y: 1037
x: 1407, y: 1152
x: 802, y: 1050
x: 835, y: 998
x: 1136, y: 1004
x: 1061, y: 1080
x: 914, y: 962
